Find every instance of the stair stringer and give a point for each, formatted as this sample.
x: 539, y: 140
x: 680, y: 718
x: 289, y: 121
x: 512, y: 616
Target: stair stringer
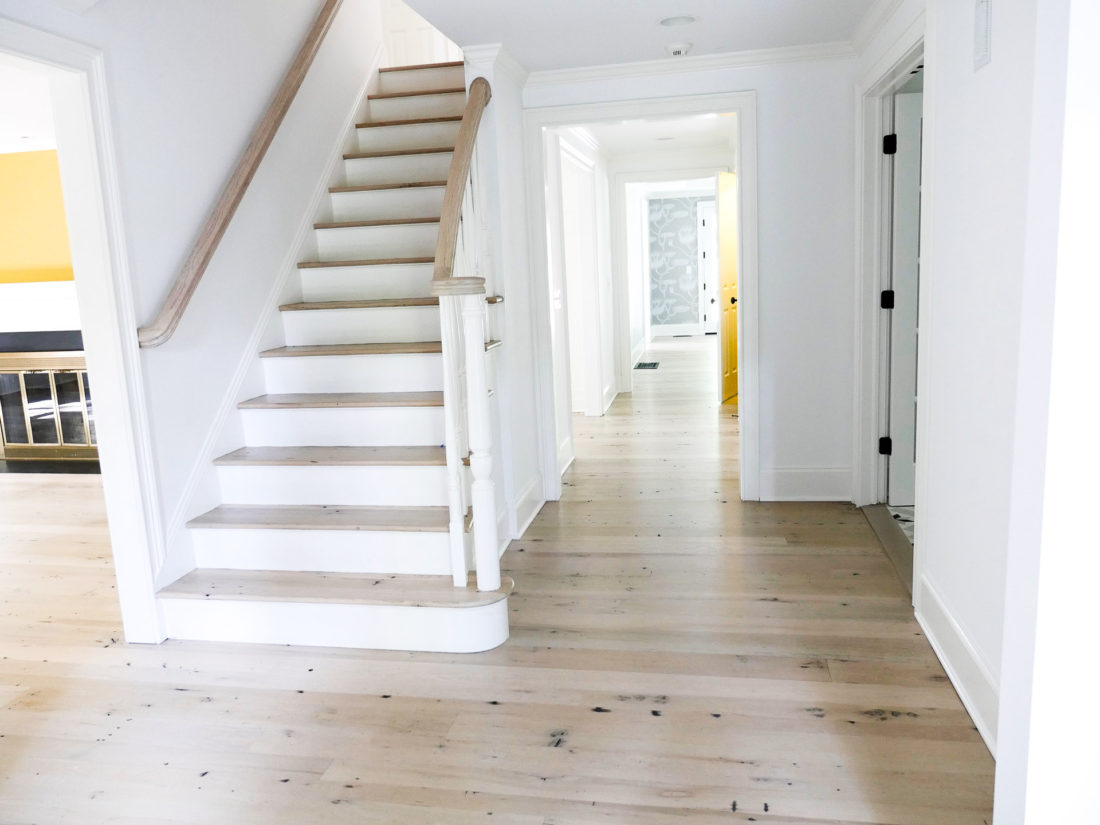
x: 202, y: 489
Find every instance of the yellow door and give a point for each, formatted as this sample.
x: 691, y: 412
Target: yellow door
x: 727, y: 258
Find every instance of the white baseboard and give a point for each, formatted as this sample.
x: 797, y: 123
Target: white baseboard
x: 964, y: 666
x: 637, y: 352
x: 527, y: 506
x: 806, y: 484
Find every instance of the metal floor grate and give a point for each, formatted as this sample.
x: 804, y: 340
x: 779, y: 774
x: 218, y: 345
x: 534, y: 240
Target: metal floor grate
x: 646, y: 365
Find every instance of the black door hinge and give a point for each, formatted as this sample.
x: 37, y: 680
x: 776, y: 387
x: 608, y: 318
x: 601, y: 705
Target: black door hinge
x: 886, y: 300
x: 889, y: 144
x: 886, y: 445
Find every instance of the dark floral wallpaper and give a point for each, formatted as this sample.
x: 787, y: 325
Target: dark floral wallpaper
x: 673, y: 260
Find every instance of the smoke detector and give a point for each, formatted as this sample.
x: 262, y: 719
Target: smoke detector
x: 677, y: 49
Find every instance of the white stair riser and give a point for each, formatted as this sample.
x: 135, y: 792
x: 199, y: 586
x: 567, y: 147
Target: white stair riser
x: 364, y: 427
x: 333, y: 551
x: 349, y: 283
x: 381, y: 627
x: 446, y: 77
x: 381, y: 486
x: 407, y: 108
x: 408, y: 136
x: 387, y: 204
x: 355, y: 373
x: 361, y: 326
x: 397, y: 169
x: 357, y: 243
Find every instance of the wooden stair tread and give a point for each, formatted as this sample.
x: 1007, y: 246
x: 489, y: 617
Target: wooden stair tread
x: 394, y: 153
x: 412, y: 67
x: 378, y: 187
x: 376, y: 303
x: 365, y: 262
x: 325, y: 517
x: 418, y: 456
x: 376, y: 222
x: 331, y: 588
x: 386, y: 348
x: 335, y: 400
x: 409, y: 121
x: 450, y: 90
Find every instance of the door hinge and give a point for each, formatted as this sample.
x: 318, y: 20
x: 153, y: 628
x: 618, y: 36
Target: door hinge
x: 885, y: 445
x: 886, y: 300
x: 889, y: 144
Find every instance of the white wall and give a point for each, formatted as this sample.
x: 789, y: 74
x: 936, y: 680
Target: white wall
x: 50, y: 305
x: 187, y: 84
x: 805, y: 164
x: 975, y: 212
x: 519, y: 396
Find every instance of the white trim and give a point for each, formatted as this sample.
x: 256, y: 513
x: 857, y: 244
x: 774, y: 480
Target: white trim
x: 94, y: 213
x: 872, y: 21
x: 500, y: 58
x: 528, y: 505
x: 806, y: 484
x: 868, y: 480
x: 203, y: 467
x: 698, y: 63
x: 744, y: 105
x: 969, y: 674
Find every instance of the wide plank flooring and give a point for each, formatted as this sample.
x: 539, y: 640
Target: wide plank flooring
x: 676, y: 657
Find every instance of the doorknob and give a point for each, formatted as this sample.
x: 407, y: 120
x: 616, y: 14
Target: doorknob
x: 712, y: 300
x: 733, y: 300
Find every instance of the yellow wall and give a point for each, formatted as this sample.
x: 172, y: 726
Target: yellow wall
x: 34, y: 241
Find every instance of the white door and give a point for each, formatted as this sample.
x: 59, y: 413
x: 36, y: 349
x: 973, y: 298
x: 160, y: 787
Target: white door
x: 412, y: 40
x: 905, y: 276
x: 709, y: 275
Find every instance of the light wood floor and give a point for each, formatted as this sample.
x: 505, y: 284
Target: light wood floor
x: 675, y: 654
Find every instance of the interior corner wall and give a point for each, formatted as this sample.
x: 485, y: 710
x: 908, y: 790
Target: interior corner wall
x: 501, y: 160
x: 977, y: 148
x: 186, y: 85
x: 806, y: 265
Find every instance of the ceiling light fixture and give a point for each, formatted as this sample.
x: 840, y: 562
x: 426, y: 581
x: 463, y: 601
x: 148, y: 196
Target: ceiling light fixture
x: 677, y: 20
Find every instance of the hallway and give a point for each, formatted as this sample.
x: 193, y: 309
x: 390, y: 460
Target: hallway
x: 675, y: 655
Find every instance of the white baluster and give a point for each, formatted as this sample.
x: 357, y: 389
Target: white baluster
x: 450, y: 318
x: 482, y: 488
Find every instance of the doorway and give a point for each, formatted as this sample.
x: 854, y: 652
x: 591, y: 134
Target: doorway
x: 887, y: 402
x: 78, y: 96
x: 625, y: 313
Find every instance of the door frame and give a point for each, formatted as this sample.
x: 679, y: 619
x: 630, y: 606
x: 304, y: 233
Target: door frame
x: 743, y: 105
x: 699, y: 207
x: 874, y: 118
x: 93, y: 206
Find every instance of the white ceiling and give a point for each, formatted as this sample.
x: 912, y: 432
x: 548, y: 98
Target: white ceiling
x: 694, y: 132
x: 559, y: 34
x: 26, y: 118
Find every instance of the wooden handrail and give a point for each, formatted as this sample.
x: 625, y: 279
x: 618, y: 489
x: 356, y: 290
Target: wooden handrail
x: 162, y: 327
x: 457, y: 176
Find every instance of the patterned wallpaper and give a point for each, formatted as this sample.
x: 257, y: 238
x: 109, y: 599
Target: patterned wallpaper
x: 673, y: 260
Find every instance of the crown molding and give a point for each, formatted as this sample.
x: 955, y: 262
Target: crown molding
x: 873, y: 20
x: 499, y: 58
x: 699, y: 63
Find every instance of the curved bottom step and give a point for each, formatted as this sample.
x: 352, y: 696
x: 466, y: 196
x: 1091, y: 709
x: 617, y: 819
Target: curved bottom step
x: 391, y: 612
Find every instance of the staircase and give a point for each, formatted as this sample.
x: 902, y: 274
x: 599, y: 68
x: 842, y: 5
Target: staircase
x: 338, y: 523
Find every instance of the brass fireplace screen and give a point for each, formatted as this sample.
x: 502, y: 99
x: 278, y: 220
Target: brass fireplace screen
x: 45, y: 407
